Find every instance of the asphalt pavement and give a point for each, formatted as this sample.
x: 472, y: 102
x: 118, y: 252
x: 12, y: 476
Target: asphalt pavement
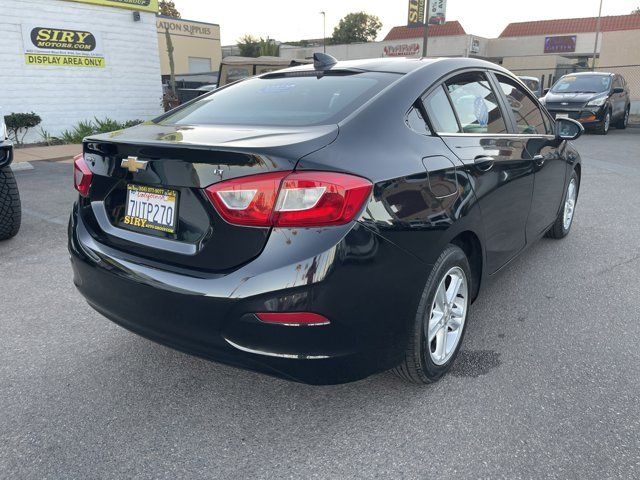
x: 547, y: 384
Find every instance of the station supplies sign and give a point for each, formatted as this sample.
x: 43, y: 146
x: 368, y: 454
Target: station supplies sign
x: 178, y: 27
x: 62, y: 47
x: 566, y: 44
x: 416, y: 13
x: 437, y: 12
x: 144, y: 5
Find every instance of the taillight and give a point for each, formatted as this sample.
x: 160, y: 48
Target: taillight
x: 247, y: 200
x: 82, y: 176
x: 290, y: 199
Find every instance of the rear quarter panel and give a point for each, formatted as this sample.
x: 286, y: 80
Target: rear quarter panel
x: 418, y: 203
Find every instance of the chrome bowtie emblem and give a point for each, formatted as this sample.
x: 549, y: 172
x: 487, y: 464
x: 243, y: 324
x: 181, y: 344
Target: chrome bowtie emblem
x: 133, y: 164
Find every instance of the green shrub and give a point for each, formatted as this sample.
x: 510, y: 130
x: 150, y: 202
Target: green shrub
x: 107, y: 125
x: 48, y: 138
x: 19, y: 124
x: 87, y: 128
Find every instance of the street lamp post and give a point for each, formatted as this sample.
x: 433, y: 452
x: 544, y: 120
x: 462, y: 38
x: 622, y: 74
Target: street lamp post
x: 425, y: 38
x: 598, y: 28
x: 324, y: 31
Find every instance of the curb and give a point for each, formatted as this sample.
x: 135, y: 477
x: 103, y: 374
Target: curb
x: 56, y: 159
x: 48, y: 159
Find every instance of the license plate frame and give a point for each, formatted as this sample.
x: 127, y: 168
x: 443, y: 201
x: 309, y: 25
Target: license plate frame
x: 151, y: 209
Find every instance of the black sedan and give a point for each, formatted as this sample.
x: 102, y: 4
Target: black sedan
x: 597, y: 100
x: 325, y: 222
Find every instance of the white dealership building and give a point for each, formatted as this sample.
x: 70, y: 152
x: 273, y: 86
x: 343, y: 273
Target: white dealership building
x: 73, y: 60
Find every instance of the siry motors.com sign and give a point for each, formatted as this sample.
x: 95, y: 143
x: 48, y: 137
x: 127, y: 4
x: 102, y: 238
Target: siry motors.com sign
x: 63, y: 47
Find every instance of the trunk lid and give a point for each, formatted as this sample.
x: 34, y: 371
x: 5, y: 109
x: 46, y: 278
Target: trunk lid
x: 181, y: 161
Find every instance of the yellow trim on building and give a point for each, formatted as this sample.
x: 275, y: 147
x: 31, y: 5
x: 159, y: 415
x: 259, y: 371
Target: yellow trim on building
x: 64, y: 60
x: 144, y: 5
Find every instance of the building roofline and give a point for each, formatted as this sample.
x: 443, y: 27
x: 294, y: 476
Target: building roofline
x: 451, y: 28
x: 608, y: 25
x: 187, y: 20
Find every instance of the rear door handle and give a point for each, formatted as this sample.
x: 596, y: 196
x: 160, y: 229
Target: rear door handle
x: 484, y: 163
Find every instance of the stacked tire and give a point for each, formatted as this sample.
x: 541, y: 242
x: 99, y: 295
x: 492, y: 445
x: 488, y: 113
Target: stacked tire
x: 10, y: 211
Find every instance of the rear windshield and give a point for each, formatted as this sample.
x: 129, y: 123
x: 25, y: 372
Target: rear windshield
x: 284, y: 101
x: 582, y: 84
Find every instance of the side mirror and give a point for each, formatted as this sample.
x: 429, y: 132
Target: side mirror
x: 618, y: 90
x: 545, y: 91
x: 568, y: 129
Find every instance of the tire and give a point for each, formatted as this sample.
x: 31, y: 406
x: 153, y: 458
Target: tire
x: 624, y: 121
x: 426, y: 362
x: 10, y: 211
x: 605, y: 125
x: 561, y: 228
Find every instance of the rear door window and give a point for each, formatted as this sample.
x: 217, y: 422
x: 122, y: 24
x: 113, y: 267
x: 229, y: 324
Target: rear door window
x: 440, y: 112
x: 476, y: 104
x: 529, y: 117
x: 285, y: 100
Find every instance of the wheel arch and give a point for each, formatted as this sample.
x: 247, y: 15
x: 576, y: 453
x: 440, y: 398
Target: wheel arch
x: 471, y: 245
x: 578, y: 170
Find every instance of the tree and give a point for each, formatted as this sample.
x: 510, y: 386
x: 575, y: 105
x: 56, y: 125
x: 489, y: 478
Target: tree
x: 168, y: 9
x: 170, y: 99
x: 357, y: 27
x: 18, y: 124
x: 269, y: 47
x: 636, y: 11
x: 249, y: 46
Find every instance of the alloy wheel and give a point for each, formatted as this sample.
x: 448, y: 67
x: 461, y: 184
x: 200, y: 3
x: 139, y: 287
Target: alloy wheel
x: 447, y: 316
x: 626, y: 117
x: 570, y: 204
x: 607, y: 122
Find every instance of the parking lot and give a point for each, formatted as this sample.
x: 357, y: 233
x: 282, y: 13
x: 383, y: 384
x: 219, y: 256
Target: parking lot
x: 547, y: 384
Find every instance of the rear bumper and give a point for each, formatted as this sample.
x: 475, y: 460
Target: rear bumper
x: 365, y: 286
x: 6, y: 153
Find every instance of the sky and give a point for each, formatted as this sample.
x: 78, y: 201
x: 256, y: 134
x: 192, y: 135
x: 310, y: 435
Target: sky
x: 288, y: 20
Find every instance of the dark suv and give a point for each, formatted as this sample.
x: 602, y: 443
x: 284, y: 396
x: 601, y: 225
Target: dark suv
x: 597, y: 100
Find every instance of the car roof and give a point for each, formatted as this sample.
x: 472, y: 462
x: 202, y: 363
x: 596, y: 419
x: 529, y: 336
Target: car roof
x: 529, y: 78
x: 400, y: 65
x: 581, y: 74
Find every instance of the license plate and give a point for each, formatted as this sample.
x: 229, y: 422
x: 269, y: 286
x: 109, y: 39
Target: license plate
x: 151, y: 208
x: 562, y: 115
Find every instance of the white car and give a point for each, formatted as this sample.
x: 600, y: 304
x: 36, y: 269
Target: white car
x: 10, y: 211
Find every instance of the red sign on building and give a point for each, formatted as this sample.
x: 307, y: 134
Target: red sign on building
x: 402, y: 50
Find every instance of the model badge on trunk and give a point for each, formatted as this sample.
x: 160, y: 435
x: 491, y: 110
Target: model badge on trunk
x: 133, y: 164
